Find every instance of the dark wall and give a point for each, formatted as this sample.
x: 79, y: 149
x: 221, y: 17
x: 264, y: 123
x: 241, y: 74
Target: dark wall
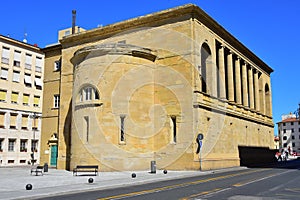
x: 255, y: 156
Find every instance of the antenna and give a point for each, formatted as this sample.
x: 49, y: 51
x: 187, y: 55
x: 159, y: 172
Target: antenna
x: 25, y: 36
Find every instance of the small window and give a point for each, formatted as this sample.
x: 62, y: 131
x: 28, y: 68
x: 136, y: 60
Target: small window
x: 17, y: 58
x: 292, y: 123
x: 293, y: 137
x: 57, y: 65
x: 122, y: 128
x: 4, y: 73
x: 88, y: 94
x: 28, y: 61
x: 174, y: 129
x: 284, y: 124
x: 5, y: 55
x: 25, y: 99
x: 11, y: 144
x: 14, y: 97
x: 23, y: 145
x: 284, y: 131
x: 292, y: 130
x: 293, y: 144
x: 3, y: 95
x: 38, y: 64
x: 36, y: 101
x: 27, y: 80
x: 285, y: 145
x: 16, y: 76
x: 56, y: 101
x: 67, y: 32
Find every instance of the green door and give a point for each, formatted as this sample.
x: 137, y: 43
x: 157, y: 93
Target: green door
x: 53, y: 160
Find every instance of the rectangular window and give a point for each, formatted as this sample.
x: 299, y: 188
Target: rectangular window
x: 283, y: 124
x: 14, y: 97
x: 3, y: 95
x: 87, y: 127
x: 5, y: 55
x: 88, y: 93
x: 16, y: 76
x: 28, y: 61
x: 293, y: 137
x: 25, y: 99
x: 36, y: 101
x: 23, y: 145
x: 2, y: 119
x: 174, y: 129
x: 17, y: 58
x: 13, y: 120
x: 292, y: 123
x: 38, y: 82
x: 56, y: 101
x: 122, y: 128
x: 4, y: 73
x: 293, y: 144
x: 11, y: 144
x: 292, y: 130
x: 1, y: 144
x: 25, y: 122
x: 57, y: 65
x: 27, y: 80
x: 284, y: 131
x: 38, y: 64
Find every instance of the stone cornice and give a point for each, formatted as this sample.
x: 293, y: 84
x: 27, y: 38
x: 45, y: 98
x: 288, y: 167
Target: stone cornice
x: 164, y: 17
x: 113, y: 49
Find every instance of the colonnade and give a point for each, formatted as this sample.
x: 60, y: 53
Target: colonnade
x: 228, y: 76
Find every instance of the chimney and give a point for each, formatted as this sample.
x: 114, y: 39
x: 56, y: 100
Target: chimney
x: 73, y: 21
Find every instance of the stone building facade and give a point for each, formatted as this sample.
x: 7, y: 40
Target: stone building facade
x: 21, y: 92
x: 144, y: 89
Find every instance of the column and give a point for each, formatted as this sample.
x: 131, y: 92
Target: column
x: 245, y: 84
x: 222, y: 84
x: 230, y: 77
x: 256, y: 91
x: 238, y: 81
x: 251, y: 87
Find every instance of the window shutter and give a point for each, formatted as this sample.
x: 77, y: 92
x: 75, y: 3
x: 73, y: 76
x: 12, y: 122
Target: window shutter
x: 17, y: 56
x: 2, y: 95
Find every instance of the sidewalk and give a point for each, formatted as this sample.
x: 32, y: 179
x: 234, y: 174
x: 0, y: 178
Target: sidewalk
x: 13, y: 181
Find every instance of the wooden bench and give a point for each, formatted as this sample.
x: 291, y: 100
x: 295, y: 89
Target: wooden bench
x: 37, y: 170
x: 86, y: 168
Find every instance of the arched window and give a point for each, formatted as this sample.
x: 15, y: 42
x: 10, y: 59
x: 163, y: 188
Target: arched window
x: 205, y: 66
x: 268, y: 110
x: 88, y: 93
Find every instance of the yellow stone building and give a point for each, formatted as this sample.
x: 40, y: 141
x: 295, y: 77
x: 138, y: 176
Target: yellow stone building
x: 144, y: 89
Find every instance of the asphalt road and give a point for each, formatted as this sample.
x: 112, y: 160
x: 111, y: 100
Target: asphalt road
x: 281, y: 181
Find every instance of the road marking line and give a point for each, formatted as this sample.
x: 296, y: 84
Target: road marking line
x: 205, y: 193
x: 256, y: 180
x: 170, y: 187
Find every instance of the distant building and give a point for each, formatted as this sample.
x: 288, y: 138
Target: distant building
x: 21, y: 92
x: 147, y: 89
x: 289, y: 133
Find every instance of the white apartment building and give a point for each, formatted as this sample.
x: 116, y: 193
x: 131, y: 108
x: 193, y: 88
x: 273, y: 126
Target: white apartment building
x: 21, y: 85
x: 289, y: 133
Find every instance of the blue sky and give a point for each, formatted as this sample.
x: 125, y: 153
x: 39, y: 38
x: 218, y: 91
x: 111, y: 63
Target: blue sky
x: 269, y: 28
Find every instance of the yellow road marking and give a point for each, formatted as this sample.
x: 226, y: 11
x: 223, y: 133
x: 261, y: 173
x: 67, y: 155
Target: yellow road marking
x: 201, y: 193
x: 178, y: 185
